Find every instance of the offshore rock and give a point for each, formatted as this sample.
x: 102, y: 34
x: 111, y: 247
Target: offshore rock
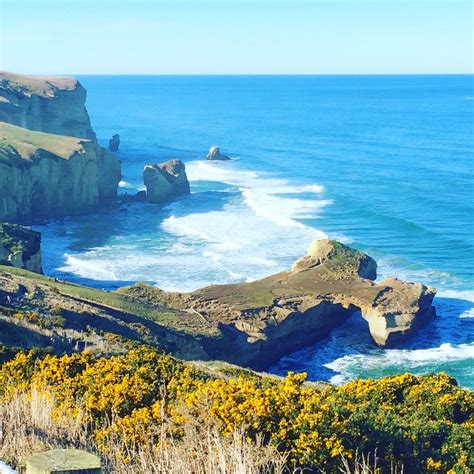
x: 44, y: 175
x: 46, y: 104
x: 165, y: 181
x: 215, y: 154
x: 20, y: 247
x: 114, y: 142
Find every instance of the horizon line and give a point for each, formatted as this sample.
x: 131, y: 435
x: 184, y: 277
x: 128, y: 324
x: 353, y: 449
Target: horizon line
x: 246, y: 74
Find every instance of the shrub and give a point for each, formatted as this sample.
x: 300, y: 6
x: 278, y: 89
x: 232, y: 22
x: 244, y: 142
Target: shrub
x: 423, y: 423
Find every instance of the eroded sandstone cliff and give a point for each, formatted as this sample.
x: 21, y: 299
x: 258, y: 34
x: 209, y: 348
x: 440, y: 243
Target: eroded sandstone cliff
x: 263, y: 320
x: 46, y: 104
x: 20, y: 247
x: 250, y: 324
x: 44, y: 175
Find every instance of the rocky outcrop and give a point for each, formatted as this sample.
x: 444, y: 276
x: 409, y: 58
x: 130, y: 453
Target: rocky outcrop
x: 215, y: 154
x: 46, y: 104
x: 20, y: 247
x: 44, y: 175
x: 261, y: 321
x: 249, y: 324
x: 114, y: 142
x: 165, y: 181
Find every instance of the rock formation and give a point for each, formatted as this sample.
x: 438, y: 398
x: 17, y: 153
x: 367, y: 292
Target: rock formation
x: 114, y: 142
x: 165, y: 181
x: 261, y: 321
x: 249, y: 324
x: 215, y: 154
x: 44, y: 175
x: 20, y: 247
x: 46, y: 104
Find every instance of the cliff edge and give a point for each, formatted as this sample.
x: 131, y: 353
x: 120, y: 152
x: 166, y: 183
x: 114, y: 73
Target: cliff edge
x: 46, y: 104
x: 44, y: 175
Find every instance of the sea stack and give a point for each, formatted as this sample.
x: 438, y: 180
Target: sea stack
x: 215, y: 154
x: 165, y: 181
x: 114, y: 142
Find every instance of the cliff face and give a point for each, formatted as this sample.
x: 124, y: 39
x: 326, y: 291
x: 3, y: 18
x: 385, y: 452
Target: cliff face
x: 20, y: 247
x: 45, y: 175
x: 46, y: 104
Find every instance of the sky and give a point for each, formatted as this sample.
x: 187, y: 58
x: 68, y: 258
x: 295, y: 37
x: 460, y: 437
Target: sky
x: 236, y: 37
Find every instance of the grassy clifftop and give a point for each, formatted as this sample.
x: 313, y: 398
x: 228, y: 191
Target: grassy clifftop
x: 17, y: 142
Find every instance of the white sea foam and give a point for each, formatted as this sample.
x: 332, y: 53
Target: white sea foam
x: 248, y: 237
x: 349, y: 366
x: 124, y: 184
x: 5, y: 469
x: 84, y: 268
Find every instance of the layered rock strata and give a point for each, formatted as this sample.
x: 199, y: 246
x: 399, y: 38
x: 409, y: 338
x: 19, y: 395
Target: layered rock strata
x: 261, y: 321
x: 44, y: 175
x: 165, y: 181
x: 249, y: 324
x: 45, y: 104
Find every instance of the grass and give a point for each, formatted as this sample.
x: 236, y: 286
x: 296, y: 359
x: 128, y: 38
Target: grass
x: 28, y: 426
x: 18, y: 142
x: 186, y: 322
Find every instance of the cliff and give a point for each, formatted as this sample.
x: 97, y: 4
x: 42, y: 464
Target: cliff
x: 46, y: 104
x: 20, y: 247
x: 249, y: 324
x: 45, y: 175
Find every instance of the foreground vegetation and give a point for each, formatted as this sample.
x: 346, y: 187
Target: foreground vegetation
x: 144, y: 411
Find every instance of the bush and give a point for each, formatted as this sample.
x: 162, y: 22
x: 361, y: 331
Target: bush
x: 422, y: 423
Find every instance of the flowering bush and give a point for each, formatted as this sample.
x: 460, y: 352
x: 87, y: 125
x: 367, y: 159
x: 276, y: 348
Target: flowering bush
x: 423, y: 423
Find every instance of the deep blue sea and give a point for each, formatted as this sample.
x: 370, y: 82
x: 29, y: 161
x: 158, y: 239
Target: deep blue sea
x: 383, y: 163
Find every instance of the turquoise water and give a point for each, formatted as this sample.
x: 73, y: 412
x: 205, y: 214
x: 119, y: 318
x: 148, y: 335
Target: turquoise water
x: 384, y: 163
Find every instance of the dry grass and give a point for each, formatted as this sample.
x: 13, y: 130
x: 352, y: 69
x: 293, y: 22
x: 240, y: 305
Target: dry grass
x: 27, y: 426
x: 27, y: 142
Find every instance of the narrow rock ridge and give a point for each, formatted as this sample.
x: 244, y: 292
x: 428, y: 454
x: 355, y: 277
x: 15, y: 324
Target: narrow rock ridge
x: 266, y: 319
x: 46, y: 104
x: 249, y: 324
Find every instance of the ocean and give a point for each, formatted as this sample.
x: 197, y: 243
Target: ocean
x: 383, y: 163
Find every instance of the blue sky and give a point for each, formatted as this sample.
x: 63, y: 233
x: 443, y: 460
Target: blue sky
x: 236, y: 37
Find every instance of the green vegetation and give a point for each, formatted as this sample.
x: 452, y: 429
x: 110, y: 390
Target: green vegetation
x: 186, y: 322
x: 16, y: 238
x: 144, y: 400
x: 17, y: 142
